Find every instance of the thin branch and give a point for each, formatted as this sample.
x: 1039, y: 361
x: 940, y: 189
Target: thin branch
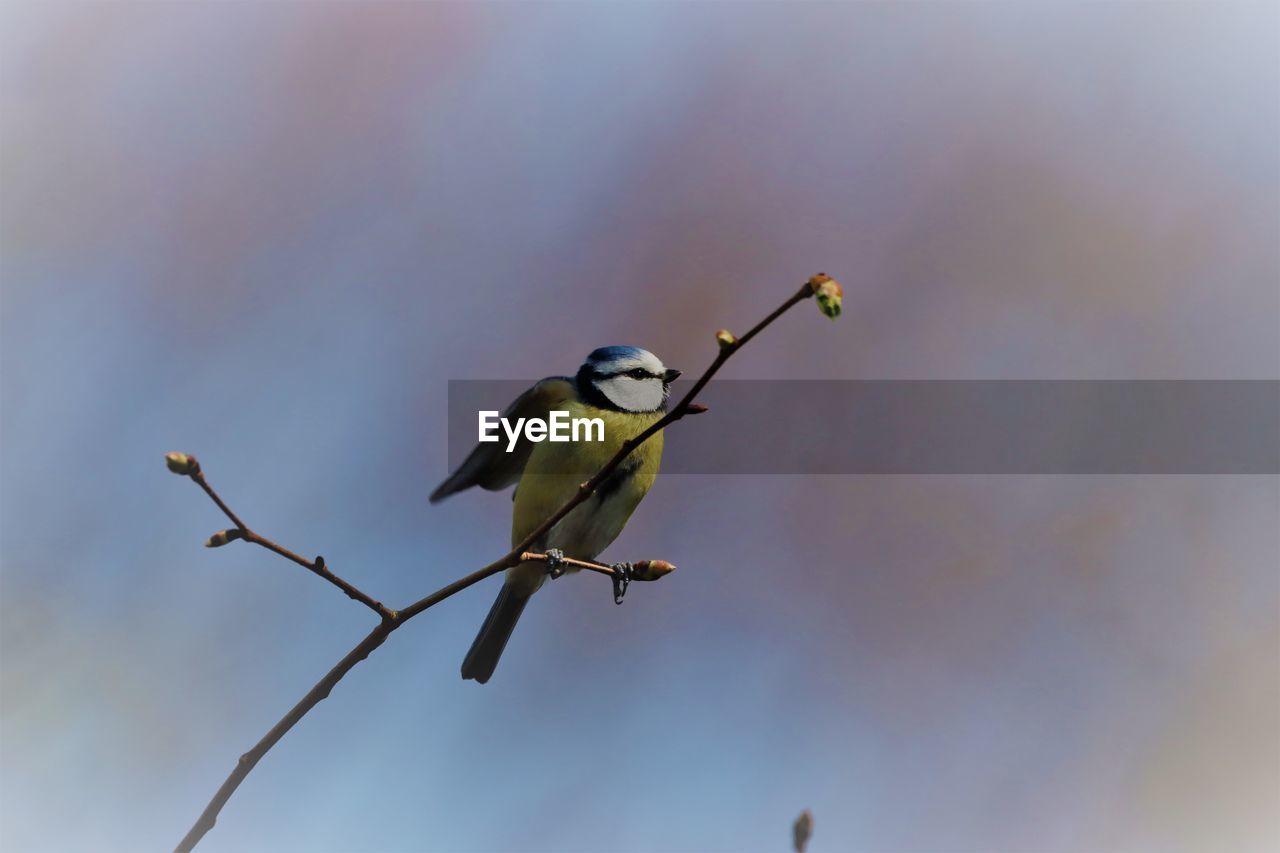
x: 321, y: 690
x: 392, y: 620
x: 251, y: 758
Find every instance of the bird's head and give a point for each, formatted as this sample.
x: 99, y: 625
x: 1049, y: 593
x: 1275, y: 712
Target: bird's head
x: 629, y: 379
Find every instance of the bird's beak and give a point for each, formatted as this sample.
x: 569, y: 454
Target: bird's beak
x: 670, y: 375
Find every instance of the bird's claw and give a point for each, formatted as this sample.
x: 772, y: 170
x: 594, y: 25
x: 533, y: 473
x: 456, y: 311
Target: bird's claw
x: 621, y: 580
x: 555, y: 563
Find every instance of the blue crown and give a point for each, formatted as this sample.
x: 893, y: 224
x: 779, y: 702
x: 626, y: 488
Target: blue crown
x: 603, y: 355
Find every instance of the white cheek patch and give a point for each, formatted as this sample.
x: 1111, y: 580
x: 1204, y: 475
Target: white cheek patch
x: 633, y: 395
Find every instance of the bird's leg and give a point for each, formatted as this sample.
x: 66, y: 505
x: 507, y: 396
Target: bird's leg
x: 621, y: 580
x: 555, y: 563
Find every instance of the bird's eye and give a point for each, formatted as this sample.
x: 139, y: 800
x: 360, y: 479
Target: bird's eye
x: 637, y: 373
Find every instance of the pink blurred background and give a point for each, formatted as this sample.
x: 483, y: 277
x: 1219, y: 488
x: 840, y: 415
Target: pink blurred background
x: 269, y: 234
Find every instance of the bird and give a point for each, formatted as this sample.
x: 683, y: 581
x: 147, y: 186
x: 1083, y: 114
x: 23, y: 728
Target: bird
x: 627, y: 388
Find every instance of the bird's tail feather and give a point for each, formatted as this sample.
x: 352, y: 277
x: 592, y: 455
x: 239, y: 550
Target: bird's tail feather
x: 482, y: 659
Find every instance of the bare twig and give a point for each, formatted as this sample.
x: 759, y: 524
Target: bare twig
x: 645, y: 570
x: 392, y: 619
x: 250, y: 759
x: 802, y: 831
x: 316, y: 566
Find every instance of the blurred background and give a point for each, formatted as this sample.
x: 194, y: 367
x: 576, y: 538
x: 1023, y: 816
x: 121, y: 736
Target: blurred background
x: 270, y: 234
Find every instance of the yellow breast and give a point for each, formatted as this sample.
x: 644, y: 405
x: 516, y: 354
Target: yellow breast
x: 556, y: 469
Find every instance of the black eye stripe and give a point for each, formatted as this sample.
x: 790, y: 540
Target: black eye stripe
x: 643, y: 374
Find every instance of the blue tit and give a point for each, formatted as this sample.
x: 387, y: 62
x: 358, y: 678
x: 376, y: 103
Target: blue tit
x: 626, y: 388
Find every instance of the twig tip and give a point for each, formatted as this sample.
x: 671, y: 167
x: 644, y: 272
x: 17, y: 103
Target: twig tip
x: 651, y: 570
x: 222, y: 537
x: 829, y: 292
x: 802, y: 831
x: 181, y: 464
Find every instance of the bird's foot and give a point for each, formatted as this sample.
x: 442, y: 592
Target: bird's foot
x: 621, y: 580
x: 555, y: 563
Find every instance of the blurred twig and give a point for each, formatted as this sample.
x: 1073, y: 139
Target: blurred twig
x: 802, y: 831
x: 828, y: 293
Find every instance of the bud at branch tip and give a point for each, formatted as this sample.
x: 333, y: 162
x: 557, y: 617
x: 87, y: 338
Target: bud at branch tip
x: 802, y: 831
x: 829, y: 292
x: 651, y: 570
x: 222, y: 537
x: 181, y: 463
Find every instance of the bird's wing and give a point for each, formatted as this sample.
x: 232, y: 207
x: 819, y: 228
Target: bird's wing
x: 490, y: 466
